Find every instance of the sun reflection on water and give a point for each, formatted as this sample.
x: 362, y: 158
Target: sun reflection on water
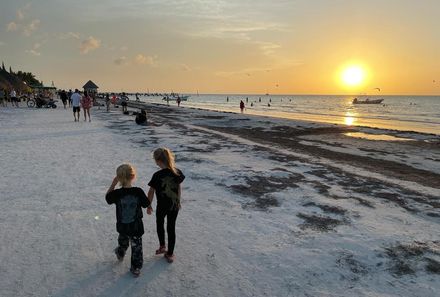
x: 350, y: 118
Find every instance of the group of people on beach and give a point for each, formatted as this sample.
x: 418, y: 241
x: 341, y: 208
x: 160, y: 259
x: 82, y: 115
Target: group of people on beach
x: 165, y: 184
x: 11, y: 96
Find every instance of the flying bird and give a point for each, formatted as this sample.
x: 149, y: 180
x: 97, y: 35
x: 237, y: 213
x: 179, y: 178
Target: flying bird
x: 377, y: 89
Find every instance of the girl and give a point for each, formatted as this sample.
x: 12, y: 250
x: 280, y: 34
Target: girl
x: 86, y: 103
x: 128, y: 200
x: 166, y: 184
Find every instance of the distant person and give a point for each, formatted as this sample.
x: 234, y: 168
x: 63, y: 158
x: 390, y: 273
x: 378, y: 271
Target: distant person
x: 76, y: 102
x: 14, y: 99
x: 123, y: 99
x: 69, y: 95
x: 3, y: 98
x: 259, y: 99
x: 252, y: 104
x: 86, y: 103
x: 141, y: 118
x: 129, y: 202
x: 63, y: 97
x: 227, y: 99
x: 241, y: 106
x: 247, y: 99
x: 107, y: 101
x: 166, y: 184
x: 178, y: 101
x: 137, y: 97
x: 268, y: 104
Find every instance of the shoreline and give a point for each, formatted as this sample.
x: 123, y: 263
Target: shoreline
x: 407, y: 114
x: 404, y: 133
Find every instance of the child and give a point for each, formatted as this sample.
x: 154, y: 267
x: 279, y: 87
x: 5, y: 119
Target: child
x: 129, y: 201
x: 166, y: 183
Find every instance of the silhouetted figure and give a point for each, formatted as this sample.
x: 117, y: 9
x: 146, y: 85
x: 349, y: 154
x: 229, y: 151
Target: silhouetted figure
x: 241, y: 106
x: 141, y: 118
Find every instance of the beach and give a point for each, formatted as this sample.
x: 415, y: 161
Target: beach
x: 271, y: 206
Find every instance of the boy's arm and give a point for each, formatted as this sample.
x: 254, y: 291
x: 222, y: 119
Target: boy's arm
x: 145, y: 202
x: 150, y: 199
x: 108, y: 197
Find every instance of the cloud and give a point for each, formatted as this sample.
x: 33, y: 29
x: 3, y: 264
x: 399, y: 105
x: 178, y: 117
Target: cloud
x: 268, y: 48
x: 144, y: 60
x: 185, y: 67
x: 21, y: 11
x: 12, y: 26
x: 20, y: 14
x: 89, y: 44
x: 31, y: 27
x: 69, y: 35
x: 2, y: 43
x: 34, y: 51
x: 121, y: 61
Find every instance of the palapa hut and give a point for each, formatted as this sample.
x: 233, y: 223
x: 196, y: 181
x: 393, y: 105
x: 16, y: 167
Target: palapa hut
x: 91, y: 88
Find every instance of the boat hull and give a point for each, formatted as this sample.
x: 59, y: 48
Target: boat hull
x: 376, y: 101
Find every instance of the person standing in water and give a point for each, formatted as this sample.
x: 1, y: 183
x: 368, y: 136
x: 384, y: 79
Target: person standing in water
x: 241, y: 106
x: 107, y: 101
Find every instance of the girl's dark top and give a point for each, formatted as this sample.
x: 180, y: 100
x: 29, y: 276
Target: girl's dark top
x: 166, y: 185
x: 128, y: 209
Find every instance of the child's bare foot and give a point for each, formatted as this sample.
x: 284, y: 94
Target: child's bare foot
x: 161, y: 250
x: 170, y: 258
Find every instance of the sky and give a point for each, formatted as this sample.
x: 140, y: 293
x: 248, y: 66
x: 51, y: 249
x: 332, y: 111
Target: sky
x: 226, y: 46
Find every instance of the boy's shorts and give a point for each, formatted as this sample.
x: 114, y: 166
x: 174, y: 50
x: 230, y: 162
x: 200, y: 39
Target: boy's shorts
x: 76, y: 109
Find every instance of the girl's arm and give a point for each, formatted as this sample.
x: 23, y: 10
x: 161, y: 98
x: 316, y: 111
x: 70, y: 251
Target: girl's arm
x: 179, y: 194
x: 150, y: 196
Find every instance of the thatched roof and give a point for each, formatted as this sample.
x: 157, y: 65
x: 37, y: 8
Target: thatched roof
x: 90, y: 85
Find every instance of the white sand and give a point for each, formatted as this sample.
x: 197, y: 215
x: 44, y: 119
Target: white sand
x: 58, y: 234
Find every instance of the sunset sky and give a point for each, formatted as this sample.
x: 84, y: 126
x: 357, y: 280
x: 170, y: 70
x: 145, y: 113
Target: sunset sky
x: 226, y: 46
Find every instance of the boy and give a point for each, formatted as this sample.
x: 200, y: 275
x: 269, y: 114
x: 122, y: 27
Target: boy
x: 128, y: 200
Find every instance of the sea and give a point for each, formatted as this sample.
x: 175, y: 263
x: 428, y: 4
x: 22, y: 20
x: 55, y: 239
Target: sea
x: 404, y: 113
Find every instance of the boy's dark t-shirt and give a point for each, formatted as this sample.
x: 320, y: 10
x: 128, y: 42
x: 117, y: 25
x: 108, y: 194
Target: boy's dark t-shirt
x: 166, y: 185
x: 128, y: 209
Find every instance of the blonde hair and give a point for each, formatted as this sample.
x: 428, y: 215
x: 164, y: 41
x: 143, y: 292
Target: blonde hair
x: 125, y: 174
x: 166, y: 156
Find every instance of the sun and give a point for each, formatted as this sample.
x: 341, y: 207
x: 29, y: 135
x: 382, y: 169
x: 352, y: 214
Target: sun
x: 353, y: 76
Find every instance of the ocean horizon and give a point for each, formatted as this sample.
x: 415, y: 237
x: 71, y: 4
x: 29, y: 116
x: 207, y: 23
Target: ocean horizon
x: 396, y: 112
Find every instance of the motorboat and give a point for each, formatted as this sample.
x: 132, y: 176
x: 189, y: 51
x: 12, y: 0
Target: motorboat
x: 367, y: 101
